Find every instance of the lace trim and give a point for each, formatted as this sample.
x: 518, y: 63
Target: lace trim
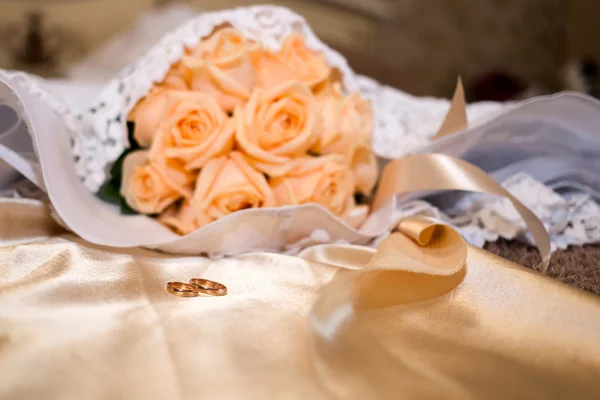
x: 571, y: 218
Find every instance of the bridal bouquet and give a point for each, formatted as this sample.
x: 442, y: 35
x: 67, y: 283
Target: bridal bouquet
x: 235, y: 126
x: 242, y: 110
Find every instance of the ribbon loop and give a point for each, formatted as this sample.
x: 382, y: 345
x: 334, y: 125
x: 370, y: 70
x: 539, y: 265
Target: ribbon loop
x: 421, y: 245
x: 432, y: 172
x: 421, y: 229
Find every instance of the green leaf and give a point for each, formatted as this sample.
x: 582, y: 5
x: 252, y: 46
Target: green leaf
x: 133, y: 144
x: 125, y: 209
x: 110, y: 192
x: 116, y: 171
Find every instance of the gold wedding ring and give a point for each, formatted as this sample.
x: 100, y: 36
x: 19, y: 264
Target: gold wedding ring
x: 195, y: 287
x: 210, y: 288
x: 182, y: 289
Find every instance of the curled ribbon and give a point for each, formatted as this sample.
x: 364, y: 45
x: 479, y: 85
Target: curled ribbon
x: 430, y: 172
x: 422, y: 261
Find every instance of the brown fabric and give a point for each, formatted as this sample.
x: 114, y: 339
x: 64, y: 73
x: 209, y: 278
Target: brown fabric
x: 578, y: 266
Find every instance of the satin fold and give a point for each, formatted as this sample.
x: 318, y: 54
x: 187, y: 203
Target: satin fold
x: 428, y: 316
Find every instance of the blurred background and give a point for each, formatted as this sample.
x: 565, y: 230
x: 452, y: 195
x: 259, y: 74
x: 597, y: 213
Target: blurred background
x: 504, y: 49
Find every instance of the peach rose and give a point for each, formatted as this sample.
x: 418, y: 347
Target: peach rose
x: 178, y: 78
x: 357, y: 117
x: 271, y: 70
x: 276, y: 126
x: 357, y: 121
x: 322, y: 180
x: 221, y: 66
x: 183, y: 219
x: 331, y: 139
x: 157, y: 106
x: 365, y: 168
x: 328, y: 88
x: 229, y: 184
x: 345, y: 129
x: 308, y: 66
x: 194, y: 131
x: 150, y: 188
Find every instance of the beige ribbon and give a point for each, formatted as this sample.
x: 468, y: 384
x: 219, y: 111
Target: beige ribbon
x: 424, y: 260
x: 456, y: 119
x: 421, y: 261
x: 428, y: 172
x: 411, y: 291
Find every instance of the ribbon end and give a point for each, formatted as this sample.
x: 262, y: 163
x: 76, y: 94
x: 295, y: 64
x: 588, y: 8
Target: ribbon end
x: 456, y: 118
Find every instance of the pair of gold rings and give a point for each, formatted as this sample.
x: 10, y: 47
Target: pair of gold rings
x: 196, y: 287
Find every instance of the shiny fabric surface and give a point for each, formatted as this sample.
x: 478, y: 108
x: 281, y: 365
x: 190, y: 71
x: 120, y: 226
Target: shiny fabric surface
x: 82, y: 322
x: 426, y: 316
x: 79, y: 321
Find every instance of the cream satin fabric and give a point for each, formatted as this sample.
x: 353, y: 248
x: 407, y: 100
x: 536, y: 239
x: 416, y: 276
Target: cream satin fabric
x: 426, y: 316
x: 82, y: 322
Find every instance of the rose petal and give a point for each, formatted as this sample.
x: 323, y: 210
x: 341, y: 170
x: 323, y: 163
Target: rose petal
x: 357, y: 117
x: 255, y: 177
x: 221, y: 143
x: 131, y: 161
x: 210, y: 132
x: 366, y: 170
x: 227, y: 91
x: 243, y: 135
x: 225, y: 46
x: 207, y: 178
x: 175, y: 175
x: 182, y: 219
x: 230, y: 86
x: 307, y: 136
x: 257, y: 133
x: 146, y: 199
x: 320, y: 180
x: 271, y: 71
x: 229, y: 184
x: 283, y: 193
x: 148, y: 114
x: 308, y: 66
